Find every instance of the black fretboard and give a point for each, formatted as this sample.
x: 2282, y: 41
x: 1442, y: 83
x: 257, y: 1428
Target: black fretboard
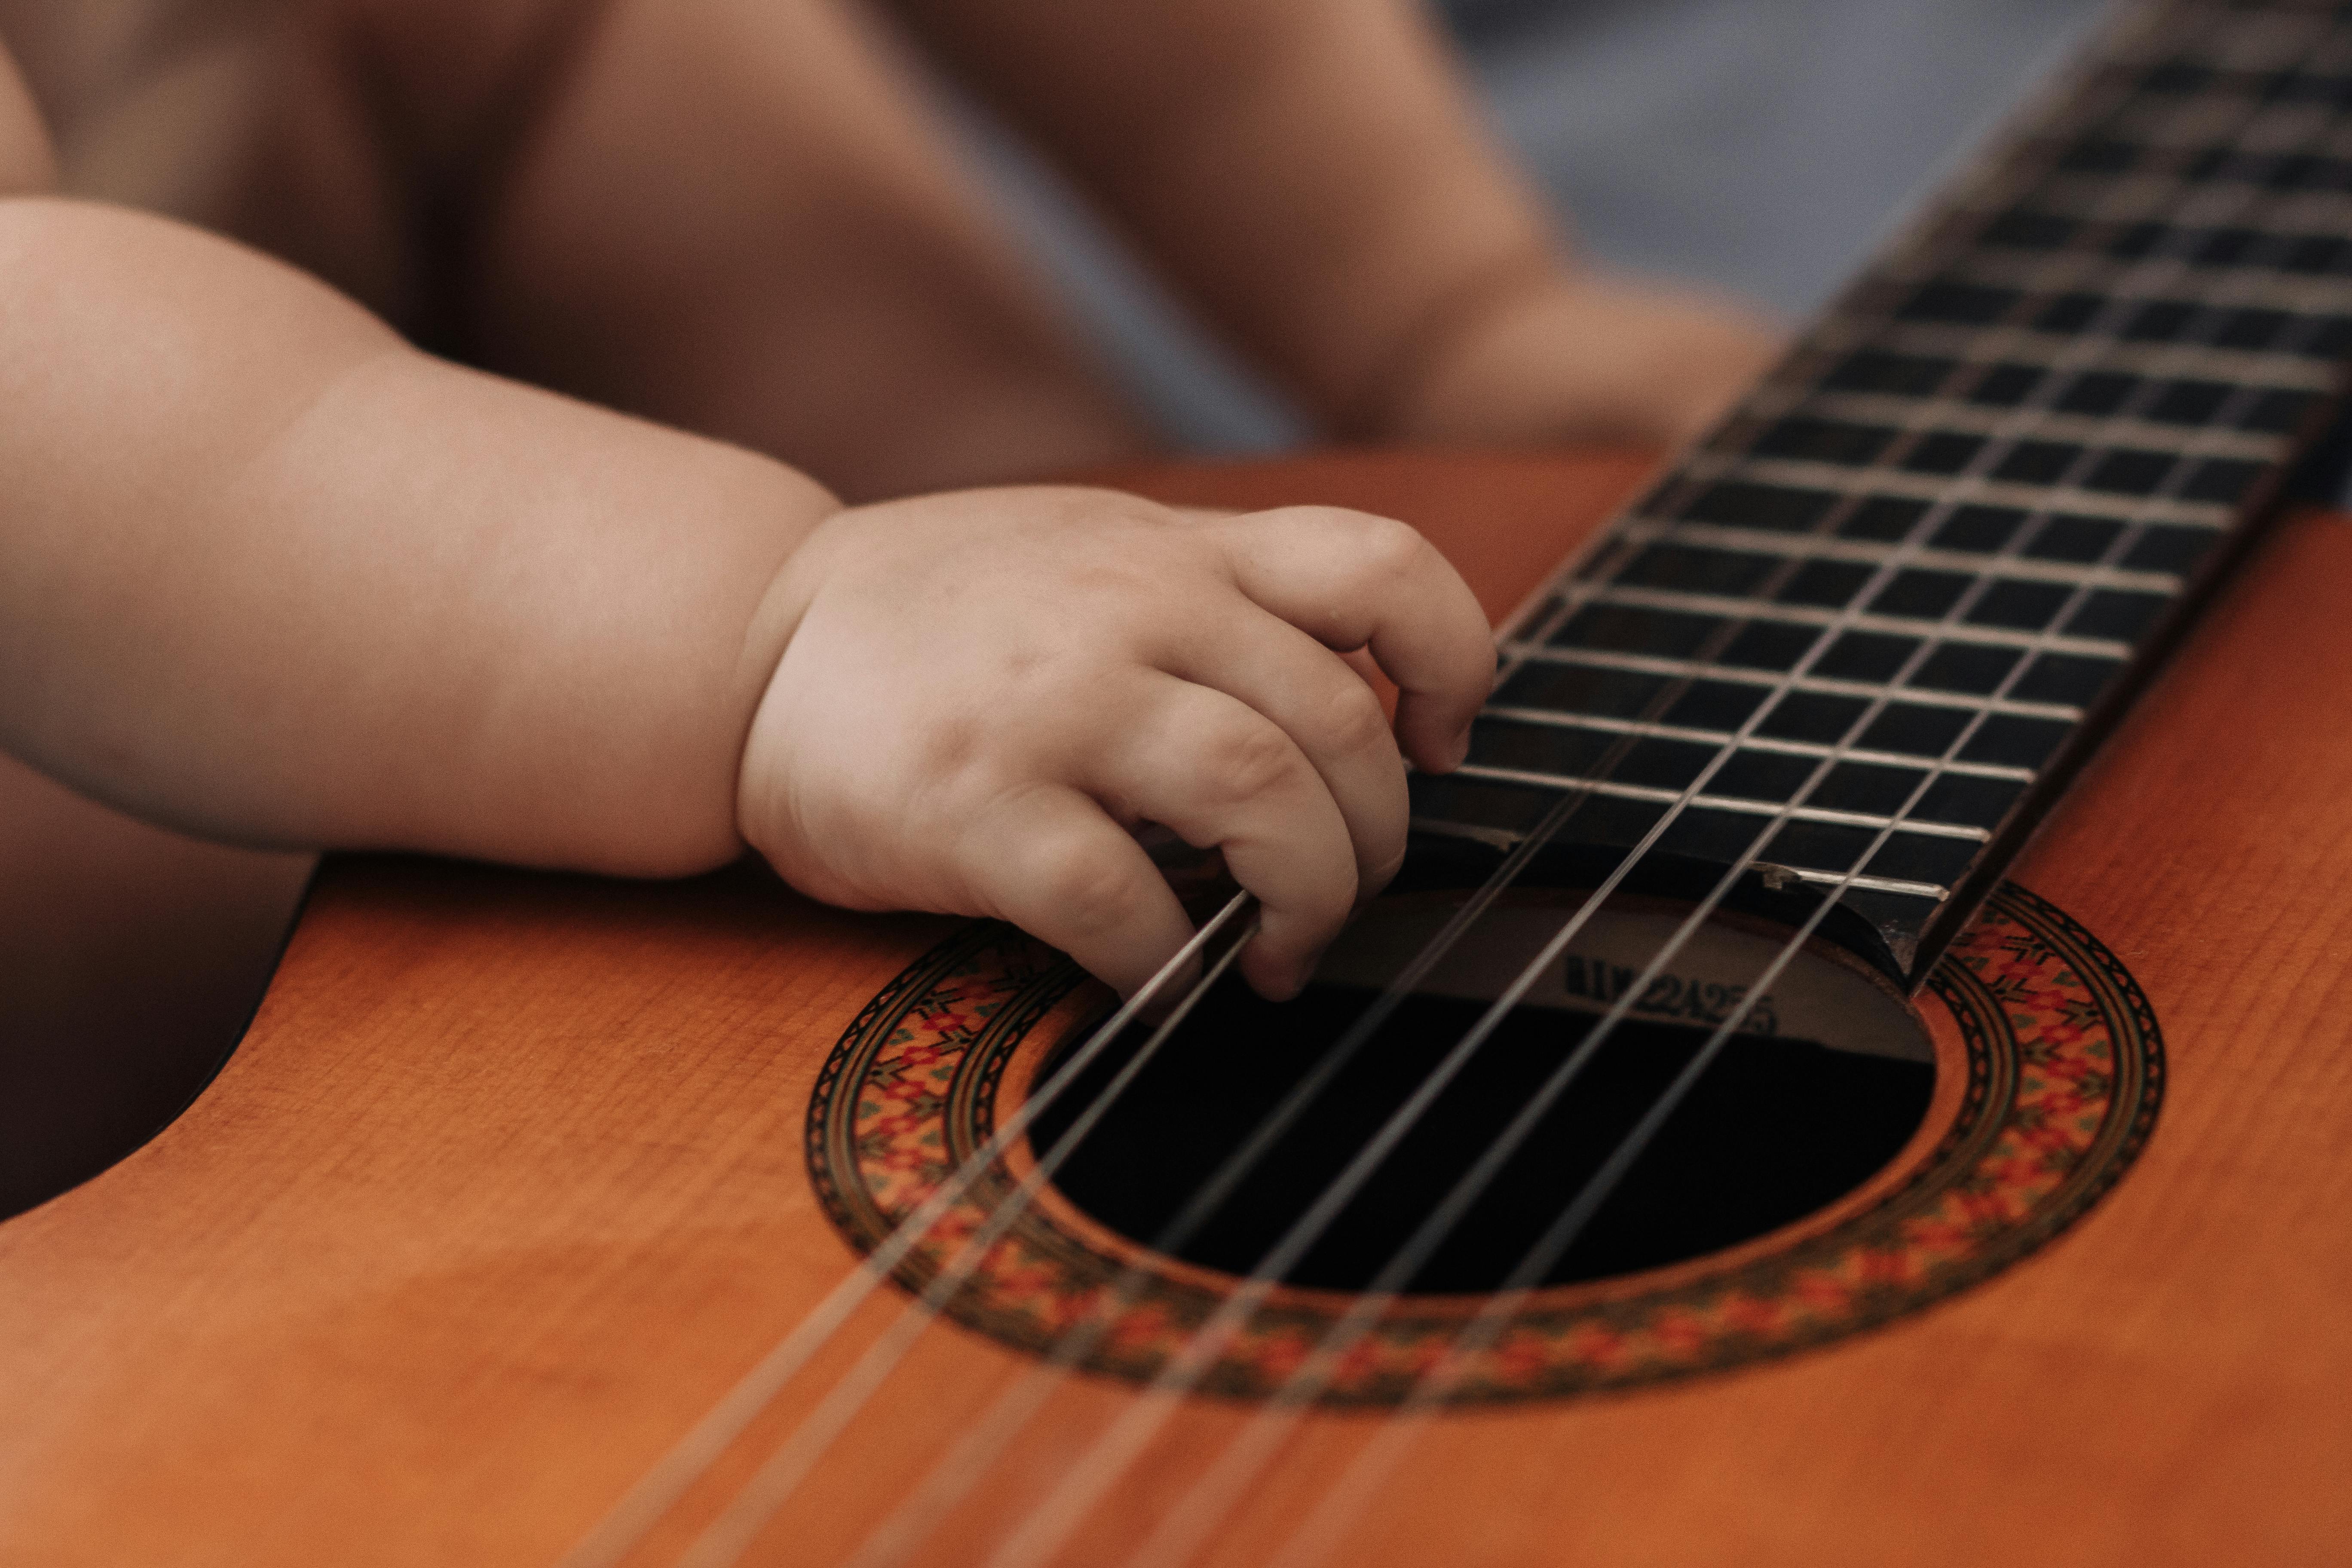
x: 1868, y: 630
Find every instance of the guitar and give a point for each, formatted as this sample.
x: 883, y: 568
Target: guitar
x: 1766, y: 1123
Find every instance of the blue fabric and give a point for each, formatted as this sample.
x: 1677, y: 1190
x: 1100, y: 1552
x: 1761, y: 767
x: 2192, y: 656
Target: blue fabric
x: 1759, y: 146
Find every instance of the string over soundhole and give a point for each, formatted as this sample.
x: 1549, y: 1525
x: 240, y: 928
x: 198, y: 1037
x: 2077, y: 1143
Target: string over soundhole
x: 1826, y: 1080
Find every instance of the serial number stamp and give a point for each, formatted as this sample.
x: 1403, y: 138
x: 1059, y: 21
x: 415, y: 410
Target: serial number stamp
x: 1682, y: 999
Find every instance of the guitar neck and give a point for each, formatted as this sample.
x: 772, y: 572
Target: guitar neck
x: 1856, y: 643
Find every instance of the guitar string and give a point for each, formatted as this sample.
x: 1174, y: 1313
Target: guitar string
x: 974, y: 1450
x: 642, y: 1507
x: 729, y: 1534
x: 978, y: 1163
x: 1320, y: 1533
x: 896, y: 1533
x: 2074, y: 98
x: 1032, y: 1544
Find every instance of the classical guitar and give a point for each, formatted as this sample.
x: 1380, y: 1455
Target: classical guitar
x: 1764, y: 1124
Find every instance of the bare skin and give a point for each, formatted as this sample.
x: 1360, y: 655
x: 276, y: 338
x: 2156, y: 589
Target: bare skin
x: 280, y: 577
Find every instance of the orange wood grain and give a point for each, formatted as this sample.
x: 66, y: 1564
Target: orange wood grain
x: 505, y: 1185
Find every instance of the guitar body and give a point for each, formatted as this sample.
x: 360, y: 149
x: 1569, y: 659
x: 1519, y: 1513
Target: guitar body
x: 507, y: 1184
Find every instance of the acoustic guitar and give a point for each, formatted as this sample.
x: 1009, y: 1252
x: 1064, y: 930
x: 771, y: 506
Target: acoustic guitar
x: 1764, y: 1124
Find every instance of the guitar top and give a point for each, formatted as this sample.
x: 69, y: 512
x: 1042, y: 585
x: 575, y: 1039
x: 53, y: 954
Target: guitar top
x: 1855, y: 1071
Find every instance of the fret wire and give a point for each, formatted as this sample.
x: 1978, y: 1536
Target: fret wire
x: 2260, y: 287
x: 2149, y: 124
x: 2304, y: 128
x: 2043, y: 351
x: 2313, y: 134
x: 1954, y: 405
x: 2074, y: 96
x: 1805, y: 474
x: 1829, y: 686
x: 1656, y: 664
x: 2234, y: 406
x: 2189, y: 140
x: 1567, y: 719
x: 2016, y: 228
x: 1960, y: 416
x: 2049, y: 274
x: 1813, y: 615
x: 2150, y: 197
x: 2025, y: 165
x: 1570, y: 782
x: 2297, y: 215
x: 2240, y: 47
x: 1504, y: 838
x: 2040, y: 643
x: 1866, y: 551
x: 2184, y: 450
x: 1933, y: 891
x: 2040, y: 500
x: 2233, y: 292
x: 1953, y: 414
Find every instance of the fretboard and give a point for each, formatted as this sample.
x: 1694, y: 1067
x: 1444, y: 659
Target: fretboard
x: 1863, y: 634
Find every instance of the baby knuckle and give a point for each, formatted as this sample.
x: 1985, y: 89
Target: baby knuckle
x: 1245, y: 761
x: 1349, y: 720
x: 1089, y: 887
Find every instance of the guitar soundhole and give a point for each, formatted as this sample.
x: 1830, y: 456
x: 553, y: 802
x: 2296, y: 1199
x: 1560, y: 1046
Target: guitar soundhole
x: 2047, y: 1073
x: 1826, y: 1081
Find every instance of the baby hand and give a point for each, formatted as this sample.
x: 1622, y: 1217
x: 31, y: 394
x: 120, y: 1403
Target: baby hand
x: 984, y: 691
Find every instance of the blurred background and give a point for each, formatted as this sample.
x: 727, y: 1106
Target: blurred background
x: 1758, y: 147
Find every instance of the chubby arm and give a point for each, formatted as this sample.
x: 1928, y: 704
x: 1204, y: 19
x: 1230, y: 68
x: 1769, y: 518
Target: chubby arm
x: 1314, y: 173
x: 276, y: 577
